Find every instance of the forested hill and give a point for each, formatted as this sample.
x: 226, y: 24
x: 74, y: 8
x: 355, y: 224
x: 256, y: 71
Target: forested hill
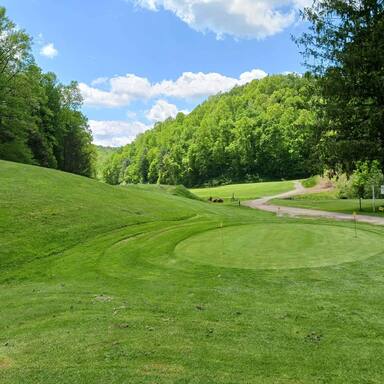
x: 262, y: 130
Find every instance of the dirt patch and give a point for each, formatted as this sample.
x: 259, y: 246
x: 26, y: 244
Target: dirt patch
x: 122, y: 325
x: 313, y: 337
x: 325, y: 185
x: 162, y: 369
x: 103, y: 298
x: 5, y: 363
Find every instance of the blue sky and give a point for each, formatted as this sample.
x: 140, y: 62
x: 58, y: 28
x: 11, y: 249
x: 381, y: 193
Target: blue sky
x: 141, y: 61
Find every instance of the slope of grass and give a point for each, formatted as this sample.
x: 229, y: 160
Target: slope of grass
x: 310, y: 182
x: 175, y: 190
x: 45, y: 211
x: 94, y: 289
x: 244, y: 191
x: 328, y: 201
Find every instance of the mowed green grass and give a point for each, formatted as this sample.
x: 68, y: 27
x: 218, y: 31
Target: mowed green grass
x: 260, y: 246
x: 327, y: 201
x: 244, y: 191
x: 96, y: 287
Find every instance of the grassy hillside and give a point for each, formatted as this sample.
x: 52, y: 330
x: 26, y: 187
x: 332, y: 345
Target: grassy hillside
x: 103, y: 284
x: 45, y: 211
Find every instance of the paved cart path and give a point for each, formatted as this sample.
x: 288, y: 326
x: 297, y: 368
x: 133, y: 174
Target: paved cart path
x: 265, y: 205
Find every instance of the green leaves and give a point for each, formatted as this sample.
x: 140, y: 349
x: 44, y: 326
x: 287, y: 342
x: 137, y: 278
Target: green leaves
x: 263, y: 129
x: 345, y: 51
x: 40, y: 122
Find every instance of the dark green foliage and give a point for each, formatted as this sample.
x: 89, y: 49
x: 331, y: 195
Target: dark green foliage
x: 344, y: 48
x: 40, y: 121
x: 259, y: 131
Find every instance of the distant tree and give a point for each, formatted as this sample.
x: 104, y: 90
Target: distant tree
x: 111, y: 173
x: 344, y: 49
x: 367, y: 175
x: 78, y: 151
x: 360, y: 180
x: 102, y: 159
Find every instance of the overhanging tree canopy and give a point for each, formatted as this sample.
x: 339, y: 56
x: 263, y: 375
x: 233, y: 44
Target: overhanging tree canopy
x: 344, y: 49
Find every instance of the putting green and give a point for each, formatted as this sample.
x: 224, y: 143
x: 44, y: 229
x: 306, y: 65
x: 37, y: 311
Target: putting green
x: 280, y: 246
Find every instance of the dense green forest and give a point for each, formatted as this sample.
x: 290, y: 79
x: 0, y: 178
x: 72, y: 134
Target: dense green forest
x: 103, y: 154
x: 263, y: 130
x: 40, y: 118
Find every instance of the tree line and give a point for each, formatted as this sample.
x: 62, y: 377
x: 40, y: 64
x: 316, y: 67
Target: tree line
x: 40, y: 118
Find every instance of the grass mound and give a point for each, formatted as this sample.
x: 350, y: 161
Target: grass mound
x: 175, y: 190
x: 44, y: 211
x: 310, y: 182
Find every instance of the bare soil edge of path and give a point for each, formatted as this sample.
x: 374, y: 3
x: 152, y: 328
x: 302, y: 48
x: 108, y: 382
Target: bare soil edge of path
x: 264, y: 205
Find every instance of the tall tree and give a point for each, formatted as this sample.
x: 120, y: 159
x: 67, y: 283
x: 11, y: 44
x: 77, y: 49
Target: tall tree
x: 15, y: 56
x: 344, y: 48
x: 40, y: 119
x: 78, y: 152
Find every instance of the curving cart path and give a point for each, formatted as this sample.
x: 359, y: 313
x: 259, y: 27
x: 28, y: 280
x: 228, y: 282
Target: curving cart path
x: 264, y: 205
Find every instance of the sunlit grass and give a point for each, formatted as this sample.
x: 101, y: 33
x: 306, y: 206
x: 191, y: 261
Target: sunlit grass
x: 95, y: 289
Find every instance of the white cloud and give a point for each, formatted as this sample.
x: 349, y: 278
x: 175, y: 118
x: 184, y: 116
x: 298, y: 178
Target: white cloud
x: 49, y: 51
x: 124, y: 89
x: 115, y: 133
x: 194, y: 85
x: 240, y: 18
x: 134, y: 86
x: 247, y: 77
x: 97, y: 97
x: 100, y: 81
x: 162, y: 110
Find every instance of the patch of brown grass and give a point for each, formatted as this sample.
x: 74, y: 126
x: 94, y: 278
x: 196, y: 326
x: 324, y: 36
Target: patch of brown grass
x: 5, y: 362
x: 162, y: 369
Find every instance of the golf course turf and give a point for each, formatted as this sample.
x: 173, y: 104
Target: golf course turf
x: 280, y: 246
x: 103, y: 284
x: 327, y: 201
x: 244, y: 191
